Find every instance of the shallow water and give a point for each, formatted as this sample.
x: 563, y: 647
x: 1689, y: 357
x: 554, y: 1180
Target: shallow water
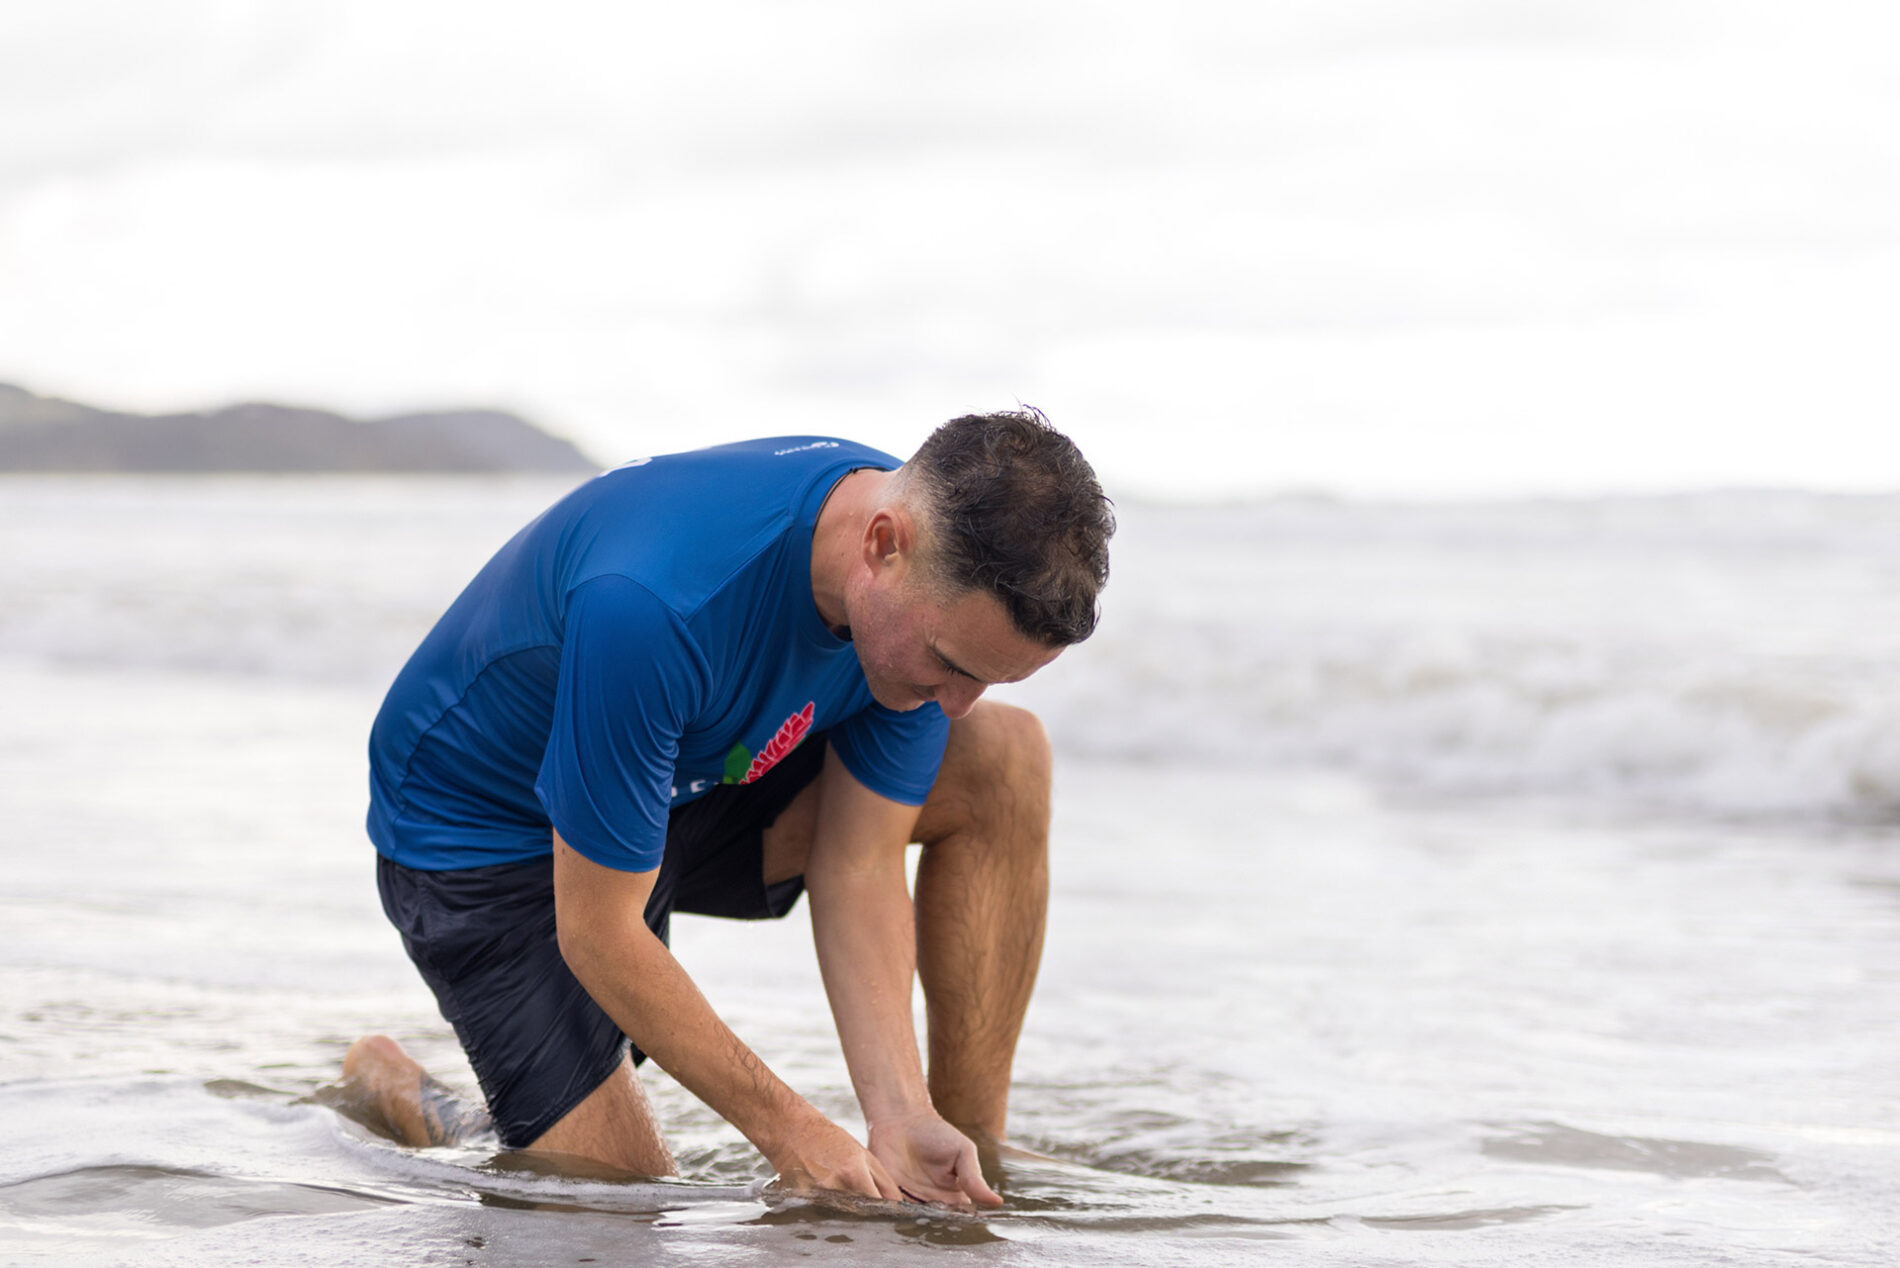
x: 1288, y: 1010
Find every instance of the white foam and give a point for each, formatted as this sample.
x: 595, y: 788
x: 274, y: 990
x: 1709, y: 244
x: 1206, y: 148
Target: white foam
x: 1718, y: 654
x: 1730, y: 654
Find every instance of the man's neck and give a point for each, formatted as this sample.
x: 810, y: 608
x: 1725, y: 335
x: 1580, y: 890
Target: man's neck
x: 834, y: 543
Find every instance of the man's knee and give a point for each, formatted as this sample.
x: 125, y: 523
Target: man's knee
x: 996, y: 765
x: 1007, y: 744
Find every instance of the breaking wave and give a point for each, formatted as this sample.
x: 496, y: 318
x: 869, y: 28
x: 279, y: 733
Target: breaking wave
x: 1722, y: 654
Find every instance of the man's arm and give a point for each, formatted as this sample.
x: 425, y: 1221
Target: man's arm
x: 633, y: 976
x: 864, y: 927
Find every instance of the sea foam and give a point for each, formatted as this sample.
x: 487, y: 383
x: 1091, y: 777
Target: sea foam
x: 1734, y: 654
x: 1711, y: 654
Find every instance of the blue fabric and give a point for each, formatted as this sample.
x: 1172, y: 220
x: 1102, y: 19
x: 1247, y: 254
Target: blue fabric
x: 649, y: 637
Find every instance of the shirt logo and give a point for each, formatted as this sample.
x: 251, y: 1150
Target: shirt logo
x: 742, y: 767
x: 816, y: 444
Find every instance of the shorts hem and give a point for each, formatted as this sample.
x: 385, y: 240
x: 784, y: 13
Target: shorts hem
x: 522, y: 1136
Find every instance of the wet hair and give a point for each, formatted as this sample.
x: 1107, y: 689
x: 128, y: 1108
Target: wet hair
x: 1012, y: 508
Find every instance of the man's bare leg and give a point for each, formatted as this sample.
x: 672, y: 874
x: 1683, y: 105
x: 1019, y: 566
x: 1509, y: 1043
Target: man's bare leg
x: 982, y: 902
x: 386, y: 1088
x: 614, y: 1126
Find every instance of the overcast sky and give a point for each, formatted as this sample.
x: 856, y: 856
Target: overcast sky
x: 1402, y: 247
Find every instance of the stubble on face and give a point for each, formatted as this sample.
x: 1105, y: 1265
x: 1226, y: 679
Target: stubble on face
x: 919, y: 646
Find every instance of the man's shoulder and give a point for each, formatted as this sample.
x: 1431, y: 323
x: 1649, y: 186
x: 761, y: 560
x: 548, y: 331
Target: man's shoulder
x: 784, y: 455
x: 774, y: 472
x: 687, y: 525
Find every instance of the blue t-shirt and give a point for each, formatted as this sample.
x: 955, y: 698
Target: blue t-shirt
x: 648, y: 638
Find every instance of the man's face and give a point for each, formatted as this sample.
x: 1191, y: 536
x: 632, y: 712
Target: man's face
x: 915, y: 646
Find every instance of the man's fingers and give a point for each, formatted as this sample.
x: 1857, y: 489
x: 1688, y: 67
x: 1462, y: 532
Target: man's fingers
x: 942, y: 1197
x: 969, y: 1176
x: 863, y: 1181
x: 886, y: 1187
x: 935, y: 1162
x: 975, y: 1190
x: 960, y: 1185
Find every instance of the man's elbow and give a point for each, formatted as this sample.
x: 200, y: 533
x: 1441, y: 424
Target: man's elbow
x: 598, y: 913
x: 575, y: 945
x: 598, y: 943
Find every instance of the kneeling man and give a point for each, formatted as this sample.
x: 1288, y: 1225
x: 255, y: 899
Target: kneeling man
x: 708, y: 682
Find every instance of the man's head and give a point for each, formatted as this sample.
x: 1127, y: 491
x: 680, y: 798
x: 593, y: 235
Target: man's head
x: 1009, y: 507
x: 979, y: 561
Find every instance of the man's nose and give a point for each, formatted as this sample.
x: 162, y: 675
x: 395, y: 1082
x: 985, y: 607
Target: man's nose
x: 958, y: 698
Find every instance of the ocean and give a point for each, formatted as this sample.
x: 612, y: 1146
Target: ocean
x: 1438, y: 883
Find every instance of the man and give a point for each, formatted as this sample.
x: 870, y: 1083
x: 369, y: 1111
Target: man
x: 707, y: 682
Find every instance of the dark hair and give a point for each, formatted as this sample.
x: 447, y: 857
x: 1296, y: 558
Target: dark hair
x: 1013, y: 509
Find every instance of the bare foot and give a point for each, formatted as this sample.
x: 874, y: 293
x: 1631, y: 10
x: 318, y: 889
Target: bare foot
x: 387, y: 1091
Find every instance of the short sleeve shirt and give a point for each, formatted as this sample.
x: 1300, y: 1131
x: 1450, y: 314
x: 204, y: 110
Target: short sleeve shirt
x: 650, y: 637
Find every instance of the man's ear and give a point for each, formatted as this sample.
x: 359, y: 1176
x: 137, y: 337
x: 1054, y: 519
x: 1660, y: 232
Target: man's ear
x: 890, y: 540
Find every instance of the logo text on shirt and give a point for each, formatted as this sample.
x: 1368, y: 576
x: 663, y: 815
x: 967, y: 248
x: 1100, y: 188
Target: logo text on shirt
x: 743, y: 767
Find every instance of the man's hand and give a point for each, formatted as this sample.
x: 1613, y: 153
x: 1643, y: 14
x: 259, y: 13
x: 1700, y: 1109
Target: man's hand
x: 933, y: 1161
x: 821, y: 1155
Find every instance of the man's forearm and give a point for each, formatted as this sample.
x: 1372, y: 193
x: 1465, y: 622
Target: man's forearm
x: 632, y: 975
x: 637, y: 982
x: 864, y: 930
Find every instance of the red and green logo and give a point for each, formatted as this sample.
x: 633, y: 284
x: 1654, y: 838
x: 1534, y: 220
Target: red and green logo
x: 742, y: 767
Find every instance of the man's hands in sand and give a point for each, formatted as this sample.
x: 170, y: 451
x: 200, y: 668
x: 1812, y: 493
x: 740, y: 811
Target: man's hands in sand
x: 919, y: 1159
x: 932, y: 1161
x: 820, y: 1156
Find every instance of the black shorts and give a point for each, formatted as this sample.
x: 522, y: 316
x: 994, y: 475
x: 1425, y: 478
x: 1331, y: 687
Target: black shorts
x: 483, y: 938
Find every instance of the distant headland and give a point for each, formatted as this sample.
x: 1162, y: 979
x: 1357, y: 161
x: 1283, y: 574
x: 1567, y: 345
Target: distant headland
x: 46, y: 434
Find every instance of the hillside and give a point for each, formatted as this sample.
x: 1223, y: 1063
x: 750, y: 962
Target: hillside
x: 47, y: 434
